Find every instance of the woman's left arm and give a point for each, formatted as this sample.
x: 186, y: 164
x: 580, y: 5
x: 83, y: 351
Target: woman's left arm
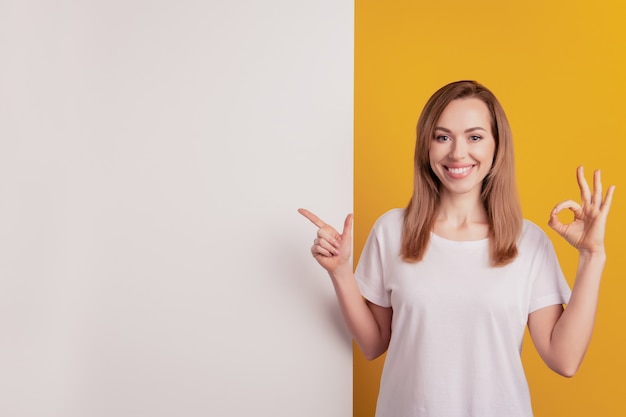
x: 562, y: 336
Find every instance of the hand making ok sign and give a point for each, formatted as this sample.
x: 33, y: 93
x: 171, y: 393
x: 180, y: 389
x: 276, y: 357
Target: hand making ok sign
x: 586, y: 232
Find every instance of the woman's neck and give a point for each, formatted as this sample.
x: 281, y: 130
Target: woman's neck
x: 461, y: 217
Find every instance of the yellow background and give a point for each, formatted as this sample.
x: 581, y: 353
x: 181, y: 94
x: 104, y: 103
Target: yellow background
x: 558, y: 68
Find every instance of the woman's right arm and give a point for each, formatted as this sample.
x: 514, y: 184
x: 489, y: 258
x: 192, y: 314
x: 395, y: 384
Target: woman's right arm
x: 369, y: 324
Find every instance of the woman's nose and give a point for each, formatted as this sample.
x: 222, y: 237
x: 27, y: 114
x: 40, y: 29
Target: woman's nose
x: 458, y: 149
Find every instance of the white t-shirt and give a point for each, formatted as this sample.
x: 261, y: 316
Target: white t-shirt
x: 458, y: 323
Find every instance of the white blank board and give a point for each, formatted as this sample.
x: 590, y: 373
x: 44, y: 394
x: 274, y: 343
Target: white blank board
x: 153, y: 155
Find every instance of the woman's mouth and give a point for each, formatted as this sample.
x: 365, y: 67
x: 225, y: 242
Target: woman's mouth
x: 459, y: 172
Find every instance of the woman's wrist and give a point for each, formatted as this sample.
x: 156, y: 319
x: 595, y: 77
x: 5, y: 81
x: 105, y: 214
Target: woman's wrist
x: 341, y: 272
x: 593, y: 256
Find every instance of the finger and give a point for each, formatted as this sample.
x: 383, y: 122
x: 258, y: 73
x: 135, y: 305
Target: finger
x: 312, y: 217
x: 317, y: 250
x: 585, y: 193
x: 568, y: 204
x: 597, y: 188
x: 606, y: 204
x: 323, y: 243
x: 329, y: 234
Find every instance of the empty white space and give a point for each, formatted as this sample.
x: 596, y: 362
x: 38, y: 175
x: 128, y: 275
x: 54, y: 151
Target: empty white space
x: 152, y: 158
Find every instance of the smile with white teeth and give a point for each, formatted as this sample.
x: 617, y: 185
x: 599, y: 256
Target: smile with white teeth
x: 459, y: 171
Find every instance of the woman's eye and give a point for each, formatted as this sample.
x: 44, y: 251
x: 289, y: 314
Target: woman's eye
x: 442, y: 138
x: 475, y: 138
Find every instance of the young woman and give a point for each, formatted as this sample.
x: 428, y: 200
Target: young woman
x: 447, y: 285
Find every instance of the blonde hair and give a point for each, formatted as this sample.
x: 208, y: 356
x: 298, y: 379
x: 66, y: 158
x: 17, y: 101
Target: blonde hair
x: 499, y: 190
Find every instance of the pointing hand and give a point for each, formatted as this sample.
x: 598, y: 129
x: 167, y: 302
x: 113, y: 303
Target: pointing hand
x: 331, y: 249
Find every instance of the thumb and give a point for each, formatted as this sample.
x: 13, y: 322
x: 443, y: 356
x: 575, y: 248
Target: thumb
x: 555, y: 223
x: 346, y: 236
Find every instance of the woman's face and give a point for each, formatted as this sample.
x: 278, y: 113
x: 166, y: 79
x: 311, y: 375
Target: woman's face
x: 463, y: 147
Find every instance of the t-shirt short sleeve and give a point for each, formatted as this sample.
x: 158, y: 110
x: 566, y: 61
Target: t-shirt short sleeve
x: 369, y: 272
x: 549, y: 286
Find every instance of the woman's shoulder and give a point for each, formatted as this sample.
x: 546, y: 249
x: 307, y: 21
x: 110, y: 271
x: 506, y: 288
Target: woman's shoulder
x: 391, y: 218
x: 532, y: 234
x: 389, y: 224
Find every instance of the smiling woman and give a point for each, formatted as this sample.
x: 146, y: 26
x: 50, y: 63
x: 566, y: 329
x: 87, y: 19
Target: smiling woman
x: 558, y: 69
x: 447, y: 286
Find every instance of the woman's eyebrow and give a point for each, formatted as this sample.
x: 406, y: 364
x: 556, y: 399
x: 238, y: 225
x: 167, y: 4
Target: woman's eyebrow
x: 471, y: 129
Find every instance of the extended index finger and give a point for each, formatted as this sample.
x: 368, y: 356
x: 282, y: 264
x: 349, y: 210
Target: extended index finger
x: 312, y: 217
